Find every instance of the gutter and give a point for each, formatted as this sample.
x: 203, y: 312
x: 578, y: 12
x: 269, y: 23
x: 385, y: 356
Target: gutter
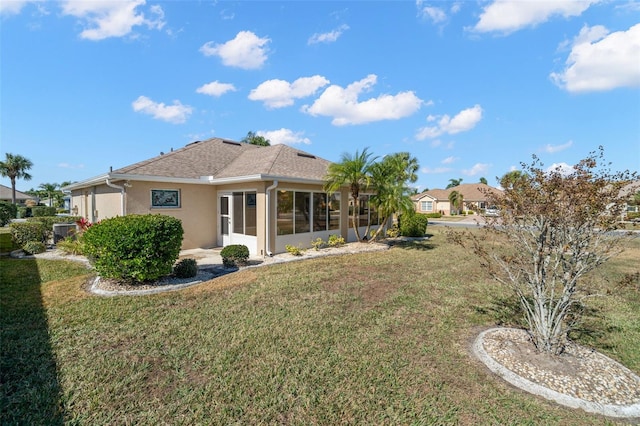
x: 121, y: 188
x: 268, y: 190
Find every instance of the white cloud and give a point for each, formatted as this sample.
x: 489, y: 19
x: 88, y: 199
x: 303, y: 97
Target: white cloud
x: 215, y: 88
x: 280, y: 93
x: 450, y: 160
x: 507, y: 16
x: 342, y: 104
x: 600, y: 60
x: 246, y: 50
x: 434, y: 14
x: 176, y: 113
x: 464, y: 121
x: 563, y: 168
x: 284, y: 136
x: 329, y: 37
x: 104, y: 19
x: 70, y: 166
x: 551, y: 149
x: 437, y: 170
x: 12, y: 7
x: 477, y: 169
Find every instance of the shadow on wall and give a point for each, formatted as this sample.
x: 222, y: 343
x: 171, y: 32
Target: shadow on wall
x: 31, y: 391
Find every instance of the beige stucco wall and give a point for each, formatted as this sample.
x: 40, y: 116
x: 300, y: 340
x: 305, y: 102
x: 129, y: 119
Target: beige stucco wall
x: 197, y: 209
x: 96, y: 203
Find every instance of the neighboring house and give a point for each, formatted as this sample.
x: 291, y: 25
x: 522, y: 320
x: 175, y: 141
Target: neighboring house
x: 628, y: 191
x: 21, y: 197
x: 474, y: 197
x: 226, y: 192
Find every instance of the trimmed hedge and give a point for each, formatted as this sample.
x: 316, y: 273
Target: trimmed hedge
x: 134, y: 248
x: 234, y: 255
x: 40, y: 211
x: 413, y: 225
x: 8, y: 211
x: 26, y: 232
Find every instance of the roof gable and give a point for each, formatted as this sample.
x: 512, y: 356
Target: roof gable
x: 5, y: 194
x: 470, y: 192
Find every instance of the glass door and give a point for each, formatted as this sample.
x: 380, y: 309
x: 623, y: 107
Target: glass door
x: 224, y: 236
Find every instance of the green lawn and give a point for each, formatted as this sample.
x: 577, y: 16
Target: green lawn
x: 373, y: 338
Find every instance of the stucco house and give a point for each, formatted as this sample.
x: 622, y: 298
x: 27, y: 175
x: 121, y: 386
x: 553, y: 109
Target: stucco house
x: 21, y: 197
x: 227, y: 192
x: 474, y: 197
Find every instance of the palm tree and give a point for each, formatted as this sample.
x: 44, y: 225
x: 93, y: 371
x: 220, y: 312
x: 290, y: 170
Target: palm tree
x: 456, y: 200
x: 50, y: 190
x: 355, y: 172
x: 483, y: 180
x: 15, y: 167
x: 454, y: 182
x: 389, y: 180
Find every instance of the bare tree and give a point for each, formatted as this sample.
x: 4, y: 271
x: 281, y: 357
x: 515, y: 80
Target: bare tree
x: 558, y: 228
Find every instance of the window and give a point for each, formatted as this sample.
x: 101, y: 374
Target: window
x: 165, y: 198
x: 285, y: 213
x: 297, y: 210
x: 319, y: 211
x: 426, y: 206
x: 334, y: 211
x: 302, y: 202
x: 244, y: 213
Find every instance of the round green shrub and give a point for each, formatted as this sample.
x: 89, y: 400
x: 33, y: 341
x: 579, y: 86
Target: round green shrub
x: 134, y: 248
x: 234, y: 255
x: 186, y: 268
x: 413, y: 225
x: 34, y: 247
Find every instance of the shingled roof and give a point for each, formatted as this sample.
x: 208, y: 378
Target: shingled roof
x: 213, y: 159
x: 470, y: 192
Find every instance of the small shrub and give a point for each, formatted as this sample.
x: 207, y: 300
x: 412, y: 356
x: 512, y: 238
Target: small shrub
x: 71, y: 245
x: 392, y: 232
x: 40, y: 211
x: 34, y: 247
x: 8, y: 211
x: 134, y: 248
x: 234, y: 255
x: 433, y: 215
x: 335, y: 240
x: 413, y: 225
x: 24, y: 232
x: 294, y: 250
x: 318, y: 243
x: 186, y: 268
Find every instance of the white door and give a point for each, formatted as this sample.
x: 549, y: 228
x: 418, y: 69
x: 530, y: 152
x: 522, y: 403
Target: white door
x: 225, y: 217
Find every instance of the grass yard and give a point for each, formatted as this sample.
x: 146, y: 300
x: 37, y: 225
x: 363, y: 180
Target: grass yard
x: 372, y: 338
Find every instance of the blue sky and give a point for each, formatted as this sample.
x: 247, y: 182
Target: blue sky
x: 471, y: 89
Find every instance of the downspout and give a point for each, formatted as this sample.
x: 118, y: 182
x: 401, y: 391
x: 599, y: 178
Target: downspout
x: 268, y: 190
x: 121, y: 188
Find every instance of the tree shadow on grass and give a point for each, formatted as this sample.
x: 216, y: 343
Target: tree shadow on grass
x: 422, y: 244
x: 31, y: 391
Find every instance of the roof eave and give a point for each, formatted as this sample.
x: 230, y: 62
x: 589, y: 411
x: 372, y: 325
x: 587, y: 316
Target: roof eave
x: 260, y: 177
